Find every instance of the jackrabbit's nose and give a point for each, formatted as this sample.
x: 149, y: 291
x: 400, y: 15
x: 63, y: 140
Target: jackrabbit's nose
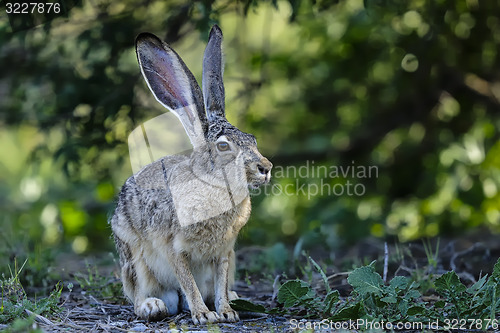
x: 262, y: 169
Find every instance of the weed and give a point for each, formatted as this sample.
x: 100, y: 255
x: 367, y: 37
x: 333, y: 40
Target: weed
x: 424, y: 274
x: 399, y: 300
x: 38, y: 273
x: 102, y: 287
x: 479, y: 301
x: 23, y: 325
x: 248, y: 281
x: 432, y: 256
x: 15, y: 304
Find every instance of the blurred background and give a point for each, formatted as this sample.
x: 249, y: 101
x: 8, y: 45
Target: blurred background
x: 407, y: 90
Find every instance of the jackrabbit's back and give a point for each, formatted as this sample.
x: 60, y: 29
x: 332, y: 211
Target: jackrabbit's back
x: 144, y: 203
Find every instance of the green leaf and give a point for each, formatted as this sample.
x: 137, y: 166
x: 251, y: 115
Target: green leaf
x: 322, y: 273
x: 478, y: 286
x: 389, y: 299
x: 415, y: 310
x: 277, y: 311
x: 348, y: 312
x: 496, y: 270
x: 365, y: 280
x: 439, y: 304
x: 449, y: 283
x: 331, y: 298
x: 292, y: 292
x: 402, y: 307
x: 400, y: 282
x: 414, y: 285
x: 412, y: 294
x: 247, y: 306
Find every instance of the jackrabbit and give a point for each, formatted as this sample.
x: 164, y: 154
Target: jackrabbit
x: 177, y: 219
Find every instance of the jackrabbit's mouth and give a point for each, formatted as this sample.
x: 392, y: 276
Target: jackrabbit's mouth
x: 254, y: 186
x: 258, y: 183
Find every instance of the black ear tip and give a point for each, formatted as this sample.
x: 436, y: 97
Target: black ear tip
x: 215, y: 31
x: 147, y: 38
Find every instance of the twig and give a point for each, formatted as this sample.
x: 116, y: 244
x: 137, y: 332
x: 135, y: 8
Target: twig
x: 95, y: 300
x: 275, y: 287
x: 338, y: 274
x: 111, y: 327
x: 463, y: 253
x: 39, y: 318
x: 74, y: 326
x: 386, y: 261
x: 405, y: 268
x: 258, y: 316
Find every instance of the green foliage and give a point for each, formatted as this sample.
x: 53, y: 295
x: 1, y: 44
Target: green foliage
x: 15, y: 302
x: 244, y: 305
x: 364, y: 280
x: 293, y: 293
x: 432, y: 255
x: 23, y: 325
x: 322, y: 273
x: 398, y: 301
x: 103, y: 287
x: 263, y: 262
x: 481, y: 300
x: 38, y: 269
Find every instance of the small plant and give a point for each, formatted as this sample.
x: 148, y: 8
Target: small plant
x: 479, y: 301
x: 100, y: 286
x: 432, y: 256
x: 24, y: 325
x: 397, y: 301
x: 400, y: 300
x: 15, y: 304
x: 299, y: 297
x: 37, y: 272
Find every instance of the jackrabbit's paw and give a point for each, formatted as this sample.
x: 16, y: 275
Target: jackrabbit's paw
x: 152, y: 309
x: 203, y: 317
x: 230, y: 316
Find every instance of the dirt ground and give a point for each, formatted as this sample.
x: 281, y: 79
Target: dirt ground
x: 87, y: 314
x: 470, y: 256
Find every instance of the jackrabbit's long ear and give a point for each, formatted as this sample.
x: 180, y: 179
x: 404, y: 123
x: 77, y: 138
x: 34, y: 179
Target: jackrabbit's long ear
x: 172, y: 84
x: 213, y: 70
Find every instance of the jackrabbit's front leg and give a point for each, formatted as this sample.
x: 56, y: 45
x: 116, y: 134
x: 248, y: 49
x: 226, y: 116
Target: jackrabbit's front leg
x: 222, y: 288
x: 199, y: 311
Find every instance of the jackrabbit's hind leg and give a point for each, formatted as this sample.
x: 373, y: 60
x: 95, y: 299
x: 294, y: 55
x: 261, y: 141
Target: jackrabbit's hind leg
x: 128, y: 275
x: 147, y: 304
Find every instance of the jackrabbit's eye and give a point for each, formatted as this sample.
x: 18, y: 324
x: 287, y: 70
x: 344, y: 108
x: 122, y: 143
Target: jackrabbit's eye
x: 223, y: 146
